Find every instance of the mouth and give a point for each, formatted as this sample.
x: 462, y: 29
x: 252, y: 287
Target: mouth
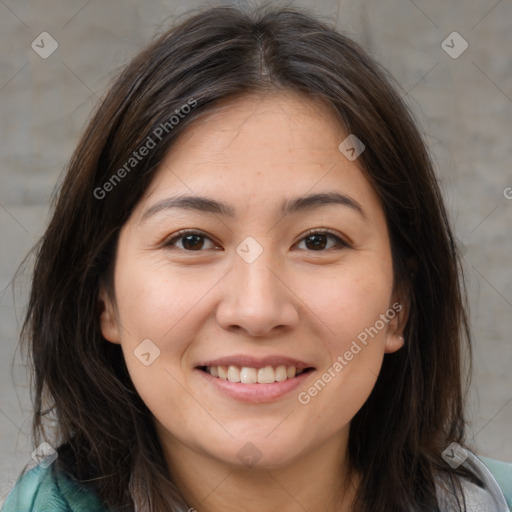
x: 254, y: 385
x: 251, y: 379
x: 268, y: 374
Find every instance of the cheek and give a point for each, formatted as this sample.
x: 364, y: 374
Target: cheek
x: 153, y: 303
x: 167, y: 310
x: 349, y: 301
x: 350, y: 305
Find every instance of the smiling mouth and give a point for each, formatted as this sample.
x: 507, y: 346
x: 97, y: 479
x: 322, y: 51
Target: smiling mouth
x: 249, y: 375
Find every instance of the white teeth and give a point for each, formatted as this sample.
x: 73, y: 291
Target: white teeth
x: 290, y: 372
x: 247, y: 375
x: 281, y: 373
x: 266, y: 375
x: 234, y: 374
x: 223, y: 372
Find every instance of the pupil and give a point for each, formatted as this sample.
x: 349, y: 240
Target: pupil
x: 319, y: 241
x: 191, y: 241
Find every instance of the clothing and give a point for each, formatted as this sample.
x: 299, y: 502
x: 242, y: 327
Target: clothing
x: 489, y: 498
x: 42, y: 490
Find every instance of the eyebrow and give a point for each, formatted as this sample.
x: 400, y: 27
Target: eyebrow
x: 293, y: 205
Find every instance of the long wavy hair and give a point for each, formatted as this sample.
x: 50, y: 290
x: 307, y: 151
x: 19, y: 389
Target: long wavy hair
x: 103, y: 430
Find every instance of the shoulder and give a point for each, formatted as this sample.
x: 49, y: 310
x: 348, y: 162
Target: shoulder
x: 502, y: 472
x: 43, y: 489
x: 494, y: 495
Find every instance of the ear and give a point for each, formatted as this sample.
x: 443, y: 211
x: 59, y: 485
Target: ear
x: 108, y: 322
x: 398, y: 313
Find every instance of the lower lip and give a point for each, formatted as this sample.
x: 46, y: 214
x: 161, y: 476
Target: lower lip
x: 255, y: 393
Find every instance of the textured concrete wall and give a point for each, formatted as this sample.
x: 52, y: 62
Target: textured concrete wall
x: 464, y: 105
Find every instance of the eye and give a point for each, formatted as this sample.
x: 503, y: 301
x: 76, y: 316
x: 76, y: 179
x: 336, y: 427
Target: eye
x: 315, y: 240
x: 191, y: 241
x: 318, y: 240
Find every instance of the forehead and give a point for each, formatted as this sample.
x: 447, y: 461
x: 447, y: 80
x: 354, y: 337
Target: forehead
x: 286, y: 125
x: 261, y: 148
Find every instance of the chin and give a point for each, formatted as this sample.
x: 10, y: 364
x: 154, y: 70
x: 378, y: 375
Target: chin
x: 258, y: 453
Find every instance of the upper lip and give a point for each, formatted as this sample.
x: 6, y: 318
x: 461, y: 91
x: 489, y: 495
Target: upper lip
x: 242, y: 360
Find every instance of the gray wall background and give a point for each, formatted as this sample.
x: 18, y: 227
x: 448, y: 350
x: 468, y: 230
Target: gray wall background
x: 463, y: 104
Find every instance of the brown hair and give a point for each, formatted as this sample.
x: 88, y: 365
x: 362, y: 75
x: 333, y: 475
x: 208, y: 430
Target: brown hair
x: 105, y: 431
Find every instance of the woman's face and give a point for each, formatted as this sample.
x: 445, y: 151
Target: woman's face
x: 257, y: 285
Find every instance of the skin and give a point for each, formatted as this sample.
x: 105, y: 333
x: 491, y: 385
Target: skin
x: 252, y: 153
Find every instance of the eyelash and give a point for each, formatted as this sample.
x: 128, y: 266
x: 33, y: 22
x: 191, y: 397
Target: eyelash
x: 342, y: 244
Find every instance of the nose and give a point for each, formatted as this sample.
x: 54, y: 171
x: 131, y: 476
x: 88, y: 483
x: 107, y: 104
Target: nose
x: 257, y: 299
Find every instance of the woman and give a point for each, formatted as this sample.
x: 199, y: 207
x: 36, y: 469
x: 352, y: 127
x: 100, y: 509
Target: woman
x: 249, y: 294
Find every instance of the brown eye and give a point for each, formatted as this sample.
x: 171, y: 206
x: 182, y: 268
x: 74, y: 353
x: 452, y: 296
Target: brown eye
x: 190, y: 241
x: 319, y: 240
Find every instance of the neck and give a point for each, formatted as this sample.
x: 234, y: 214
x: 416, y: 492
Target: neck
x: 317, y: 481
